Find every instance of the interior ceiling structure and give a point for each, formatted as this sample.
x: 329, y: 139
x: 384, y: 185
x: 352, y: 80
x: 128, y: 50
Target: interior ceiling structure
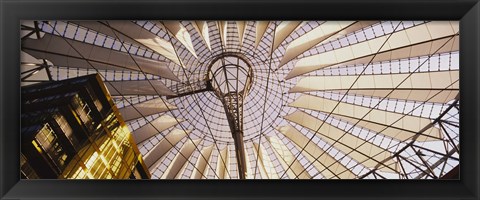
x: 325, y: 99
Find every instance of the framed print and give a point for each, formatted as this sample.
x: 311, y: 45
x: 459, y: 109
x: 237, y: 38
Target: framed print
x: 239, y: 100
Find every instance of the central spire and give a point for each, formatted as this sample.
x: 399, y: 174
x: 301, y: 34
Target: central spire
x: 231, y: 77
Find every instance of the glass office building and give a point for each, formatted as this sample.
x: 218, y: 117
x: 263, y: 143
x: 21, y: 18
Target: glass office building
x: 266, y: 99
x: 72, y: 130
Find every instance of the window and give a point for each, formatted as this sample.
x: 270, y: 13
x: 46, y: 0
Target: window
x: 26, y: 169
x: 45, y: 137
x: 83, y: 110
x: 67, y: 130
x: 49, y: 142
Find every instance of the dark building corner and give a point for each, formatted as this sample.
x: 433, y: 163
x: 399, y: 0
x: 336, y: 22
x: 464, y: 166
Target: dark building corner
x: 71, y: 129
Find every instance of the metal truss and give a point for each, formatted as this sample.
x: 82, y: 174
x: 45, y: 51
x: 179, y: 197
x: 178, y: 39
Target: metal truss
x: 414, y: 155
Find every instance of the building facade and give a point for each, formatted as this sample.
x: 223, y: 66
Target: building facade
x: 71, y: 129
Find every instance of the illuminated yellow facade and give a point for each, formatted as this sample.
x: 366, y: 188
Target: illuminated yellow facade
x: 111, y: 156
x: 83, y: 137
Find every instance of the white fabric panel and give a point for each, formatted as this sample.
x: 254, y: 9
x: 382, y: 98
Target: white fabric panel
x: 39, y: 75
x: 57, y: 50
x: 286, y: 158
x: 141, y: 87
x: 258, y: 160
x: 432, y: 95
x: 181, y: 34
x: 260, y: 28
x: 249, y: 174
x: 207, y: 170
x: 417, y: 86
x: 179, y: 161
x: 222, y: 28
x: 154, y: 127
x: 201, y: 163
x: 146, y: 38
x: 153, y: 157
x: 29, y: 60
x: 422, y: 49
x: 333, y: 172
x: 202, y: 28
x: 401, y: 44
x: 403, y: 129
x: 181, y: 171
x: 227, y: 162
x: 149, y: 107
x: 312, y: 38
x: 350, y: 29
x: 101, y: 28
x: 358, y: 149
x: 266, y: 162
x: 282, y: 31
x: 241, y: 26
x: 221, y: 167
x: 31, y: 25
x: 335, y: 168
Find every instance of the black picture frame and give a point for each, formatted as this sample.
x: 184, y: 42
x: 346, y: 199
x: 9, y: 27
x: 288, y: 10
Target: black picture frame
x: 468, y: 11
